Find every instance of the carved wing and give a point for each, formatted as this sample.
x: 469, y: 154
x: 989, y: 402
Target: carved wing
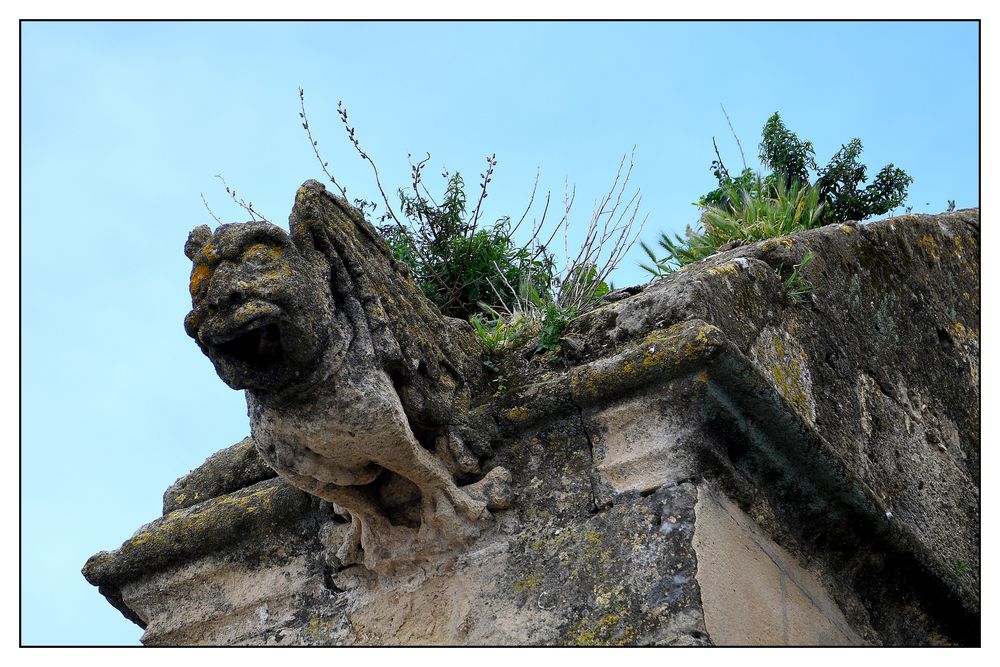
x: 434, y: 360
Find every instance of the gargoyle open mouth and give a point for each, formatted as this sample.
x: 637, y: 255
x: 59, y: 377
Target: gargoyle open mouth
x: 258, y: 344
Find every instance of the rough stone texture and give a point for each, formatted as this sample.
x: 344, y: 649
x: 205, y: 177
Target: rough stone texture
x: 879, y: 367
x: 358, y: 389
x: 268, y: 588
x: 712, y: 462
x: 223, y: 472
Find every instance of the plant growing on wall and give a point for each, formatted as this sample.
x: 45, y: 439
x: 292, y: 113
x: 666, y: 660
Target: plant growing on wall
x: 476, y: 270
x: 747, y: 218
x: 750, y: 207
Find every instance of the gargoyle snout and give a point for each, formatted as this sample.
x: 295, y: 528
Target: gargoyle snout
x: 226, y: 290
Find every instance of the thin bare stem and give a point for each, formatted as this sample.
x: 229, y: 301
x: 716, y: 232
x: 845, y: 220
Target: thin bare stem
x: 246, y: 206
x: 610, y: 235
x: 539, y: 248
x: 722, y: 165
x: 536, y: 228
x: 416, y: 172
x: 357, y: 145
x: 314, y: 144
x: 491, y: 161
x: 470, y: 234
x: 388, y: 207
x: 209, y: 208
x: 531, y: 200
x: 742, y: 157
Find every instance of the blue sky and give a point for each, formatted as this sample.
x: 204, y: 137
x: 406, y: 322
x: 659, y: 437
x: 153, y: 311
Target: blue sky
x: 125, y: 124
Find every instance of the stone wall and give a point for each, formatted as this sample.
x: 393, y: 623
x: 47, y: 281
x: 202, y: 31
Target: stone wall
x: 708, y: 461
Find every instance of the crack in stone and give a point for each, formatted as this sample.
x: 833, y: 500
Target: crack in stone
x: 594, y: 507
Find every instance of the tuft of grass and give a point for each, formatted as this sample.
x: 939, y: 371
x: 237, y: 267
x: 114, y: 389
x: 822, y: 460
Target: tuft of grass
x: 763, y: 209
x: 496, y: 333
x: 533, y: 315
x: 553, y: 324
x: 796, y: 286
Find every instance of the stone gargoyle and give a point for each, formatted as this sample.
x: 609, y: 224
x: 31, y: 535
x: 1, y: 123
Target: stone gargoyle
x: 358, y: 389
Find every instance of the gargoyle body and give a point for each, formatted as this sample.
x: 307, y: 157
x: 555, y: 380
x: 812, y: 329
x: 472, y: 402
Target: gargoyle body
x: 358, y: 390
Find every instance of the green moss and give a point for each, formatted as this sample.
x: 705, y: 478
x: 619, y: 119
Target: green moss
x: 319, y: 627
x: 662, y: 353
x: 517, y: 413
x: 528, y: 583
x: 186, y: 533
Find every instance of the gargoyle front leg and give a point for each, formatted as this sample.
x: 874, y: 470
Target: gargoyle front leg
x: 350, y: 551
x: 369, y: 530
x: 437, y: 487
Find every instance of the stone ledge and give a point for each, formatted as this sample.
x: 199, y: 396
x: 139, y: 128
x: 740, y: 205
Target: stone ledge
x: 851, y: 415
x: 225, y: 471
x: 212, y: 525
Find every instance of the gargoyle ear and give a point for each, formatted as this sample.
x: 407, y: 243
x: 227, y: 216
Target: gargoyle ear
x: 197, y: 239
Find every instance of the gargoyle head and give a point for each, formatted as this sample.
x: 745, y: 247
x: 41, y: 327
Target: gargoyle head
x: 262, y: 310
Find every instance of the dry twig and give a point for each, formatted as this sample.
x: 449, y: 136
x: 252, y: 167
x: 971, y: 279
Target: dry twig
x: 315, y: 145
x: 246, y: 206
x: 209, y: 208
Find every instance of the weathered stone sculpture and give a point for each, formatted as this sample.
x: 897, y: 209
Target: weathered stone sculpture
x: 715, y: 463
x: 358, y: 390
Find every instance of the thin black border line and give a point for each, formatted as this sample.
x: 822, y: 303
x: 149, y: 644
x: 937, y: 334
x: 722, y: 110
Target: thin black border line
x: 20, y: 263
x: 500, y: 20
x: 20, y: 321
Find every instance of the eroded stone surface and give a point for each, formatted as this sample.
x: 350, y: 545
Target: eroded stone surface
x: 705, y: 433
x: 880, y: 361
x: 357, y: 388
x: 225, y: 471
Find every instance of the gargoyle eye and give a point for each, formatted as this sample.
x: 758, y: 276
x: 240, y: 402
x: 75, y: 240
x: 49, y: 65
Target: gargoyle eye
x: 262, y: 254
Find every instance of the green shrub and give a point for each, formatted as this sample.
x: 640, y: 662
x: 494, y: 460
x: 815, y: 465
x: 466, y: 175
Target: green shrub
x: 477, y: 271
x: 839, y: 182
x: 459, y: 263
x: 751, y: 208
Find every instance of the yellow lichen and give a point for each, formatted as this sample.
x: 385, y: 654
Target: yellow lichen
x: 772, y: 244
x: 199, y: 274
x: 517, y: 413
x: 787, y: 366
x: 263, y: 253
x: 787, y: 374
x: 930, y: 246
x: 597, y: 635
x: 529, y: 583
x: 210, y: 253
x: 319, y: 627
x: 729, y: 268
